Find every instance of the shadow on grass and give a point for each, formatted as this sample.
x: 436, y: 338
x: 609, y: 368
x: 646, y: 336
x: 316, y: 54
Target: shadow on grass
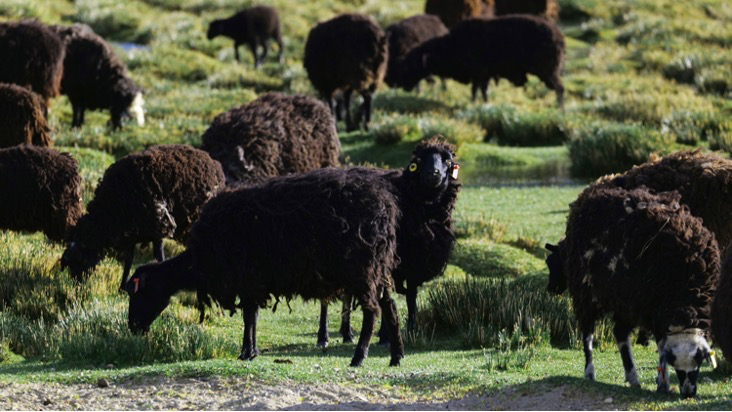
x: 408, y: 104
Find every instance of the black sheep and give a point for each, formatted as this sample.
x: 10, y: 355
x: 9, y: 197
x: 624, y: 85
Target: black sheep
x: 313, y: 235
x: 406, y: 35
x: 426, y: 191
x: 478, y: 50
x: 721, y: 311
x: 34, y: 57
x: 452, y: 12
x: 95, y: 78
x: 273, y: 136
x: 253, y: 27
x: 548, y: 9
x: 143, y: 197
x: 41, y: 190
x: 347, y: 54
x: 644, y: 258
x: 22, y: 117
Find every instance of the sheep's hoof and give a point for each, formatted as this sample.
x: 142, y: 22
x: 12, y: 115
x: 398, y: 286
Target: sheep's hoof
x: 663, y: 389
x: 356, y: 362
x: 590, y: 372
x: 248, y: 355
x: 395, y: 361
x: 323, y: 344
x: 348, y: 339
x: 383, y: 342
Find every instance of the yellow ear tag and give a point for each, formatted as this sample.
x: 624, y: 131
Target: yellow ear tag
x: 413, y: 167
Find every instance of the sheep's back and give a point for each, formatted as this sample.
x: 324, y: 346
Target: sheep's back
x: 22, y: 117
x: 34, y: 57
x: 310, y: 235
x: 541, y: 8
x: 349, y: 51
x: 452, y: 12
x: 41, y: 190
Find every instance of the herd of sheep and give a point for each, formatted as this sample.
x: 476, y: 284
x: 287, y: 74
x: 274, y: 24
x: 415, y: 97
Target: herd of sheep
x: 266, y: 211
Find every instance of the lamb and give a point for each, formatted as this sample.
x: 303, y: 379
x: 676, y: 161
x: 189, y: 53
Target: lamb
x: 42, y: 190
x: 478, y: 50
x: 143, y: 197
x: 344, y: 55
x: 95, y: 78
x: 452, y: 12
x: 404, y: 36
x: 254, y: 27
x: 273, y: 136
x: 548, y: 9
x: 721, y: 319
x: 426, y: 191
x: 22, y: 117
x: 646, y: 259
x: 704, y: 181
x: 312, y: 234
x: 37, y: 57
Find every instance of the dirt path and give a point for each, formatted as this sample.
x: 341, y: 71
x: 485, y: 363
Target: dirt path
x: 240, y: 393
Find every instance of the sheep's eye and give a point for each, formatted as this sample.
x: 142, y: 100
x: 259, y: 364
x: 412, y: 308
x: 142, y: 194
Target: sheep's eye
x: 413, y: 167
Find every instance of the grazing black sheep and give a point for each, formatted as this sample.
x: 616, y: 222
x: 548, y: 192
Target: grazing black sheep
x: 721, y: 311
x: 253, y: 27
x: 644, y: 258
x: 406, y: 35
x: 41, y: 190
x: 34, y: 57
x: 452, y: 12
x: 22, y: 117
x: 426, y: 191
x: 273, y: 136
x: 313, y: 235
x: 347, y: 54
x: 143, y: 197
x: 95, y: 78
x: 478, y: 50
x: 704, y: 181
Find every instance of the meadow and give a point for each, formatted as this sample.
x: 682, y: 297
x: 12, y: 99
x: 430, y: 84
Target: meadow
x: 642, y: 77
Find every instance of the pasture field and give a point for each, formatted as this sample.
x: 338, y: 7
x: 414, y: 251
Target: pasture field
x: 642, y: 77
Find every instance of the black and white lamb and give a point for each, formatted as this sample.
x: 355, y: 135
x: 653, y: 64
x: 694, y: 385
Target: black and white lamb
x: 647, y: 260
x: 41, y: 191
x: 426, y: 191
x: 143, y: 197
x: 273, y: 136
x: 34, y: 57
x: 344, y: 55
x: 253, y: 27
x: 22, y: 117
x: 405, y: 35
x: 478, y: 50
x: 313, y: 234
x: 95, y: 78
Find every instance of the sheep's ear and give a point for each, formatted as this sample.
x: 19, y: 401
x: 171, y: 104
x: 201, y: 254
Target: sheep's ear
x: 551, y: 248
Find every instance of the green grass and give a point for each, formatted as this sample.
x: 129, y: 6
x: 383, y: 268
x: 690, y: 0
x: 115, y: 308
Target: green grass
x: 641, y: 76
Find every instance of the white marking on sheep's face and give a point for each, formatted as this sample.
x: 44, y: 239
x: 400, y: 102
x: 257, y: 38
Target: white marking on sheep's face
x: 136, y: 109
x: 686, y: 351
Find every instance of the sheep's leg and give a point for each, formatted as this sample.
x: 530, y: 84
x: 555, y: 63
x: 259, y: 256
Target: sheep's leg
x: 473, y: 91
x: 484, y: 91
x: 587, y: 337
x: 249, y: 349
x: 347, y: 105
x: 366, y: 109
x: 622, y: 338
x: 346, y: 330
x: 662, y: 385
x: 253, y: 47
x: 554, y: 82
x: 265, y: 49
x: 77, y: 116
x: 236, y: 50
x: 367, y: 329
x: 444, y: 84
x: 323, y: 328
x: 158, y: 250
x: 280, y: 48
x: 129, y: 255
x: 411, y: 310
x: 391, y: 318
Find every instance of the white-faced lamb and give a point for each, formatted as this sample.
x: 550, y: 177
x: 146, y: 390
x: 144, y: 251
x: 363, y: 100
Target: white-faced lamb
x: 22, y: 117
x: 273, y: 136
x: 405, y: 35
x: 253, y: 27
x: 143, y: 197
x: 647, y: 260
x: 313, y: 234
x: 477, y: 51
x: 426, y: 191
x: 41, y: 191
x: 96, y: 79
x: 34, y: 57
x: 347, y: 54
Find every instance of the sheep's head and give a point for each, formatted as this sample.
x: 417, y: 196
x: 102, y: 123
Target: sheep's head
x: 414, y: 68
x: 214, y: 29
x: 557, y: 280
x: 80, y: 259
x: 685, y: 351
x: 147, y: 298
x: 432, y: 166
x: 127, y: 101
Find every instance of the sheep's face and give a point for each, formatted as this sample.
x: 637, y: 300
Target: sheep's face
x: 414, y: 69
x: 557, y: 281
x: 147, y: 301
x: 213, y: 29
x: 80, y: 259
x: 685, y: 352
x: 430, y: 169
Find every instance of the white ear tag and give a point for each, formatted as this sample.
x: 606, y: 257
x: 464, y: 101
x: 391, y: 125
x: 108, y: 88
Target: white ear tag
x: 455, y: 168
x: 712, y: 360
